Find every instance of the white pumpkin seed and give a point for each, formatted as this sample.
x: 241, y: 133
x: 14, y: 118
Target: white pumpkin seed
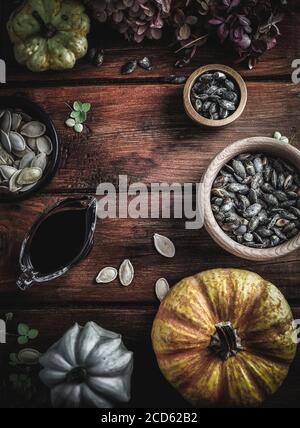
x: 7, y: 171
x: 284, y: 139
x: 29, y: 357
x: 29, y: 176
x: 5, y: 141
x: 31, y: 142
x: 26, y: 118
x: 164, y: 246
x: 5, y: 124
x: 126, y: 273
x: 5, y: 157
x: 18, y: 143
x: 20, y: 155
x: 162, y: 288
x: 44, y: 145
x: 33, y: 129
x: 27, y: 188
x: 16, y: 121
x: 107, y: 275
x: 70, y: 123
x: 39, y: 161
x: 13, y: 184
x: 277, y: 135
x: 27, y: 160
x: 78, y: 128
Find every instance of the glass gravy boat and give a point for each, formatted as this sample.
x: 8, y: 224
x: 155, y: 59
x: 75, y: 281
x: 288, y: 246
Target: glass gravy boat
x: 60, y: 238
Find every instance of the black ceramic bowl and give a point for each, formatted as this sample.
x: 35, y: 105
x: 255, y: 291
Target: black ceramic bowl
x: 37, y: 113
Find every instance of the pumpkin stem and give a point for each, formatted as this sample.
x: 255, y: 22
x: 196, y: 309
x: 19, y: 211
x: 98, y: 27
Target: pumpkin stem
x: 225, y: 342
x: 77, y: 375
x: 48, y: 31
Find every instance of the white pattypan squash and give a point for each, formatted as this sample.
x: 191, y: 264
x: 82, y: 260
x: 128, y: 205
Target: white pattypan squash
x: 88, y: 367
x: 49, y: 34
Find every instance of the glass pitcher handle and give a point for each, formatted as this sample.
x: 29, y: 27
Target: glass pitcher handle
x: 26, y: 280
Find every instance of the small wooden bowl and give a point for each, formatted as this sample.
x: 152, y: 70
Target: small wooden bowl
x: 258, y: 145
x: 189, y: 108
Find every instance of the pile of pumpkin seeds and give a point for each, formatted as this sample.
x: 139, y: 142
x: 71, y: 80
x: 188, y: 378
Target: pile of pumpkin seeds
x: 215, y: 96
x: 256, y: 200
x: 24, y: 151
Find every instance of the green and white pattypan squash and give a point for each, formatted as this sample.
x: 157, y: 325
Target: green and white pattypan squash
x: 49, y: 34
x: 88, y: 367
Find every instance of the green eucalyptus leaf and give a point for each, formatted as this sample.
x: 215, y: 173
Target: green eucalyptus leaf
x: 23, y: 329
x: 86, y: 107
x: 13, y: 357
x: 77, y: 106
x: 22, y: 340
x: 81, y: 118
x: 33, y: 333
x: 75, y: 114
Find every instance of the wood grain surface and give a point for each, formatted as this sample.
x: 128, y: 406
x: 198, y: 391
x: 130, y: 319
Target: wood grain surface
x: 138, y: 127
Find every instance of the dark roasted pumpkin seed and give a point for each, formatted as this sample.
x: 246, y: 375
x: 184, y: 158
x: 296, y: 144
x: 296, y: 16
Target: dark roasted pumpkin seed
x: 129, y: 67
x: 145, y: 63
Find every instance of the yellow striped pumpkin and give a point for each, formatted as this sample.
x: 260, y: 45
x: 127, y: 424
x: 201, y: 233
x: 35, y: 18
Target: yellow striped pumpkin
x: 224, y: 338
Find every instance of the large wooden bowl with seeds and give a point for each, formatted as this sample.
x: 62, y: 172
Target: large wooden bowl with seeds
x: 29, y: 148
x: 268, y: 148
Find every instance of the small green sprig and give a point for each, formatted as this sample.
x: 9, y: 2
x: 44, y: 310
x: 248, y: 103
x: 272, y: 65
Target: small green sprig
x: 26, y: 333
x: 78, y: 116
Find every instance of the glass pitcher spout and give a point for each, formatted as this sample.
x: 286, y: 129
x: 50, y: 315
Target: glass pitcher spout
x: 26, y: 280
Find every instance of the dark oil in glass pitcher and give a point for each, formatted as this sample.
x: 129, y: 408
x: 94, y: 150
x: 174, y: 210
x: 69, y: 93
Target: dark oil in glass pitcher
x: 61, y: 237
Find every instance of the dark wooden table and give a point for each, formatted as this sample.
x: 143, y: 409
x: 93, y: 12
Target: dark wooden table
x: 138, y: 127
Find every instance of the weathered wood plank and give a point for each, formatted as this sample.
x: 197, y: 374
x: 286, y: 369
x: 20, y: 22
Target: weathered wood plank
x: 142, y: 131
x: 116, y: 240
x: 149, y: 389
x: 276, y: 62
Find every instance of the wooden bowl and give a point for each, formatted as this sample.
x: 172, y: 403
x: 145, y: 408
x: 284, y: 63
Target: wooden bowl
x: 259, y: 145
x: 194, y: 115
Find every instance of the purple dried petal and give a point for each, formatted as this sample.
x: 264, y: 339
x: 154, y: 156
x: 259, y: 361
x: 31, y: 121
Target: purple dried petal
x: 231, y: 3
x: 238, y: 33
x: 271, y: 43
x: 158, y: 22
x: 216, y: 21
x: 248, y: 29
x: 245, y: 42
x: 243, y: 20
x: 223, y: 32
